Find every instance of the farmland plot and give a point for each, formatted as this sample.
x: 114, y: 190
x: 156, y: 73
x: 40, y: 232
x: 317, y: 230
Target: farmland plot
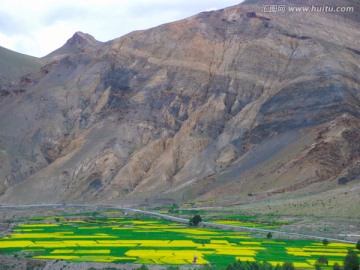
x: 147, y: 241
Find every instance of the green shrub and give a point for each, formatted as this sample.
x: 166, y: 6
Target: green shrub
x: 288, y: 266
x: 322, y: 260
x: 143, y: 267
x: 195, y: 220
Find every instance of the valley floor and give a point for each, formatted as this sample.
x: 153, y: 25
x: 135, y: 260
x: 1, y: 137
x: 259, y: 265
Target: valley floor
x: 73, y: 237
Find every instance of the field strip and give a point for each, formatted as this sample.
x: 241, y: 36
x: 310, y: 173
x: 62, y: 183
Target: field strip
x: 180, y: 220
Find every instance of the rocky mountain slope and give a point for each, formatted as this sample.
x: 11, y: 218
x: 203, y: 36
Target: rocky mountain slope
x: 228, y: 106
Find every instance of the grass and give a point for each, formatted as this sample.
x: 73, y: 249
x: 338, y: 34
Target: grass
x: 151, y: 241
x: 225, y: 216
x: 245, y: 224
x: 13, y: 65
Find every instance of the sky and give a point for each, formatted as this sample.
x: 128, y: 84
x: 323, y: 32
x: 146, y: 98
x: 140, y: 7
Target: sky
x: 39, y: 27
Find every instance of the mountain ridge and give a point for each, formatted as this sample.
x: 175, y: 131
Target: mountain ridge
x: 214, y: 107
x: 79, y: 42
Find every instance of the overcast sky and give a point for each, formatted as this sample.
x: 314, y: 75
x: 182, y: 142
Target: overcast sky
x: 41, y: 26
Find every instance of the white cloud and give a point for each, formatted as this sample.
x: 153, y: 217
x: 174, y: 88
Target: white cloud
x: 39, y: 27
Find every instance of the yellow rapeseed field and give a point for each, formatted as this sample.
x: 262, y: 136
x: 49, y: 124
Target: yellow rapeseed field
x: 331, y: 262
x: 193, y: 231
x: 62, y: 251
x: 167, y: 256
x: 158, y: 242
x: 38, y: 225
x: 16, y: 244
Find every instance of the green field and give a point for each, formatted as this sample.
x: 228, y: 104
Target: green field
x: 245, y: 224
x: 152, y: 241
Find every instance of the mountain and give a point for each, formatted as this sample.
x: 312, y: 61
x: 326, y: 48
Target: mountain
x: 14, y: 65
x: 227, y: 107
x: 77, y: 44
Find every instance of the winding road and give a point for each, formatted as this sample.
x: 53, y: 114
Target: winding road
x: 180, y: 220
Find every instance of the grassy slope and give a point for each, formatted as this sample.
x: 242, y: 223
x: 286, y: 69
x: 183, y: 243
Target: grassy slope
x: 13, y: 64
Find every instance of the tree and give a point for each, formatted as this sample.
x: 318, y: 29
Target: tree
x: 322, y: 260
x: 358, y: 245
x: 195, y: 220
x: 325, y: 242
x: 174, y: 208
x: 269, y: 236
x: 171, y: 267
x: 288, y: 266
x: 266, y: 266
x: 351, y: 261
x: 143, y: 267
x: 336, y: 266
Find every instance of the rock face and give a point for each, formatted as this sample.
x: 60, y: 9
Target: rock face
x: 218, y: 106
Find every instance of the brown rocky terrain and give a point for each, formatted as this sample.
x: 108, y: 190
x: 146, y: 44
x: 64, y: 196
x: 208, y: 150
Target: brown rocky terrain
x: 232, y: 105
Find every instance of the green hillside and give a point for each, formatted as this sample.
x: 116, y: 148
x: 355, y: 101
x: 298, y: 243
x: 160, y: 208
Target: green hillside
x: 14, y: 65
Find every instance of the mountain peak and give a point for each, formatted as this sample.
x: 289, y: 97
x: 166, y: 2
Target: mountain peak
x: 79, y: 42
x: 81, y: 39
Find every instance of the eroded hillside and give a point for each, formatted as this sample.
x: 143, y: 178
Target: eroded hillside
x: 218, y: 106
